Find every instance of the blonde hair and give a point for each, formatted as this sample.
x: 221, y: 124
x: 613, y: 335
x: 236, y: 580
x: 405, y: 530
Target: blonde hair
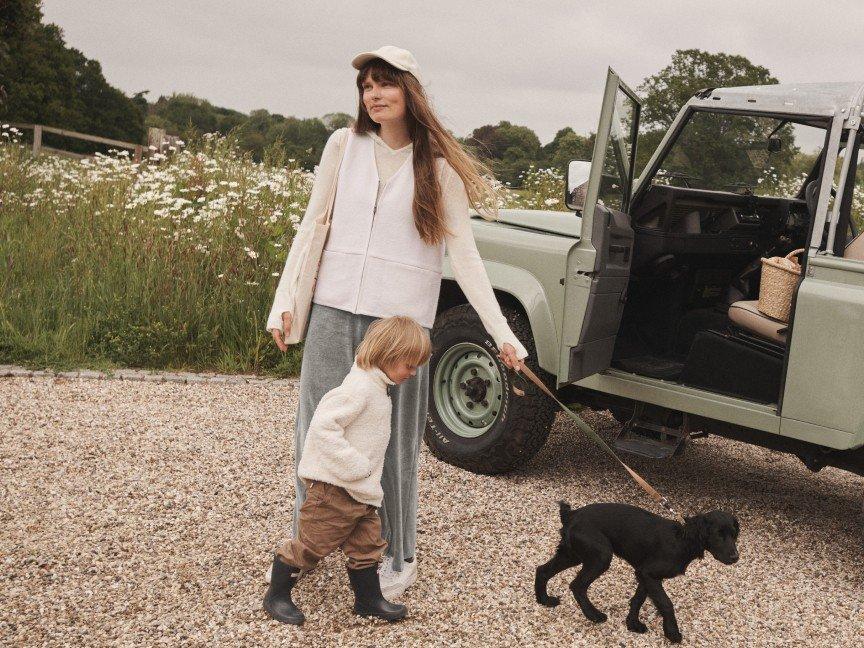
x: 431, y: 140
x: 391, y: 340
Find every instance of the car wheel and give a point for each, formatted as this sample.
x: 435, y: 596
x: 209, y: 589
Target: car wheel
x: 475, y: 421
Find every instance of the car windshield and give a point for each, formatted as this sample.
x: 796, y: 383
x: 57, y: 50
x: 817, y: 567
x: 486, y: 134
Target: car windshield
x: 747, y: 154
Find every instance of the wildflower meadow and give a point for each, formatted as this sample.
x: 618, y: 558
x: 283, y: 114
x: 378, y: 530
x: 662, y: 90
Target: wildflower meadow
x: 170, y: 263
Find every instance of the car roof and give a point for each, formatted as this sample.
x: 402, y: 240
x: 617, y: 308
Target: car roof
x: 821, y: 99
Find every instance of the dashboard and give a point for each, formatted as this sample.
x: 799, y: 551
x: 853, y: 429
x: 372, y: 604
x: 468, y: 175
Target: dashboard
x: 683, y: 221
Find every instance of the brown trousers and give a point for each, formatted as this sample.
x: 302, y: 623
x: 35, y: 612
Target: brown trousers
x: 330, y: 518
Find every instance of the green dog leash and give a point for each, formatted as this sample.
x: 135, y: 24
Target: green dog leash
x: 591, y: 434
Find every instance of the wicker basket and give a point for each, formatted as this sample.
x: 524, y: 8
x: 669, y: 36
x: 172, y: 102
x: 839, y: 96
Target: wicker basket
x: 779, y: 278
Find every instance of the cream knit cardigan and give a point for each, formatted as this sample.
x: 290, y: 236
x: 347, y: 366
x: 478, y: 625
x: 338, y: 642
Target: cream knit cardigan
x: 348, y: 435
x: 468, y: 268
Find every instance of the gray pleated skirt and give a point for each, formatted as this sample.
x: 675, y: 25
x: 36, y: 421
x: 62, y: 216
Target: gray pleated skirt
x: 331, y: 341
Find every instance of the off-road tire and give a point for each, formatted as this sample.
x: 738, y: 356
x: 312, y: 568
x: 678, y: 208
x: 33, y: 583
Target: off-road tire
x: 523, y: 422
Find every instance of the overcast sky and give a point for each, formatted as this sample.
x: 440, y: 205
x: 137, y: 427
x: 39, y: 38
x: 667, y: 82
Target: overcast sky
x: 537, y: 63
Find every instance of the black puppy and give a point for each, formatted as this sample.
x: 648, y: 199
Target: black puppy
x: 657, y: 548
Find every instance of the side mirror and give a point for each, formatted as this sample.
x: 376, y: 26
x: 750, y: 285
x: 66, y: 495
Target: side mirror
x: 576, y: 184
x: 774, y: 144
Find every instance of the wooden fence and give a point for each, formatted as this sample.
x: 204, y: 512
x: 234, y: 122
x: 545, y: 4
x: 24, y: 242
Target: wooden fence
x: 157, y: 141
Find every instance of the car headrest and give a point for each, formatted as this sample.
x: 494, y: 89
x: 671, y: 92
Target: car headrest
x: 855, y: 249
x: 811, y: 195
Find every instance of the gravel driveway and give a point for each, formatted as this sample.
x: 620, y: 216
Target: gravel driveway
x: 139, y: 513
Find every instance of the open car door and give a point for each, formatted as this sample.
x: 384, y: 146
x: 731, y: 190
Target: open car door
x: 598, y: 267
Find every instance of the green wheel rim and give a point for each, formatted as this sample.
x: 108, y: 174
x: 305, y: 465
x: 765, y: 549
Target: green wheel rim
x: 468, y: 390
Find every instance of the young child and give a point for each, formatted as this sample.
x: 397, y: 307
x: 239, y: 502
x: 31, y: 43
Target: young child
x: 343, y: 457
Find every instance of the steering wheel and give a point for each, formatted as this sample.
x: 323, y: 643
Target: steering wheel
x: 811, y: 196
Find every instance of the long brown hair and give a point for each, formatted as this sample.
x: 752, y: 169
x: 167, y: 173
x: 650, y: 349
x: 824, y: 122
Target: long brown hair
x: 431, y: 140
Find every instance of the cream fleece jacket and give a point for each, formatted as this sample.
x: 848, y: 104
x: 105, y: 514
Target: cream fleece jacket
x: 465, y: 260
x: 348, y: 435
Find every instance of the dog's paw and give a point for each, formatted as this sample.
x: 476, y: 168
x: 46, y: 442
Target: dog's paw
x: 673, y: 635
x: 550, y: 601
x: 597, y: 616
x: 635, y: 625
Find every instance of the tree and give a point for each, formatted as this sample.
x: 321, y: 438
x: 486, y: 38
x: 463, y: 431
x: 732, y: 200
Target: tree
x: 18, y: 20
x: 730, y: 152
x: 254, y: 133
x: 335, y: 121
x: 49, y: 83
x: 690, y: 71
x: 303, y: 139
x: 494, y: 141
x: 567, y: 145
x: 508, y: 148
x: 186, y: 114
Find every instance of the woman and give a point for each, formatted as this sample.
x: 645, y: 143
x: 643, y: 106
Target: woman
x: 404, y: 189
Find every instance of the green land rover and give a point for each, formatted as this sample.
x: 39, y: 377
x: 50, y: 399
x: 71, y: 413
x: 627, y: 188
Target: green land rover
x: 642, y: 298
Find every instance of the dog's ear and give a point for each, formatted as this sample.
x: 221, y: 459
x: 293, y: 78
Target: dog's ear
x: 736, y: 525
x: 703, y: 528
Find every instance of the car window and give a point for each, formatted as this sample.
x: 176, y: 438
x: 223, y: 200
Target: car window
x: 618, y: 162
x: 764, y: 156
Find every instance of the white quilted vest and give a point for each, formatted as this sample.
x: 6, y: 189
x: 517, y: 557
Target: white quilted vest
x: 374, y: 262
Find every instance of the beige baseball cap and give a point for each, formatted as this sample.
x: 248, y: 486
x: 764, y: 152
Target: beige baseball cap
x: 399, y: 58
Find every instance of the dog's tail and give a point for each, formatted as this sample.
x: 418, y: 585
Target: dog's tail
x: 565, y: 511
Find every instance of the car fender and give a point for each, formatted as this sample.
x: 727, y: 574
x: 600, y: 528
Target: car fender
x: 528, y: 291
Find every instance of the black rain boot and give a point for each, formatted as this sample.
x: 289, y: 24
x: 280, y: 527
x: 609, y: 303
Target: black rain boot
x: 368, y: 600
x: 277, y: 600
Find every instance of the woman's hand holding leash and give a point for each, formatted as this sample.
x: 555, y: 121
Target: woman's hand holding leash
x: 287, y: 318
x: 508, y: 357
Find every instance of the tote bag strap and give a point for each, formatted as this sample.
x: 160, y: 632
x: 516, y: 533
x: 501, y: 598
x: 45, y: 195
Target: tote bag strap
x: 331, y: 197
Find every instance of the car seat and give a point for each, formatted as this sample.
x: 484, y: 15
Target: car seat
x: 746, y: 315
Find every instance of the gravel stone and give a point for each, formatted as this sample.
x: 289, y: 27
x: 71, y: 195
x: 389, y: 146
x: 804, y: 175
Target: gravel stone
x: 227, y: 380
x: 92, y: 375
x: 146, y: 514
x: 130, y: 374
x: 174, y: 377
x: 196, y: 378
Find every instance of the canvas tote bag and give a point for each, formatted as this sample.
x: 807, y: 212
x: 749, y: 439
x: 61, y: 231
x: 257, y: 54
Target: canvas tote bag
x: 307, y: 273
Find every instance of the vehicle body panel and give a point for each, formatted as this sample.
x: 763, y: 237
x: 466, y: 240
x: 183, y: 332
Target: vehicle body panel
x: 555, y: 222
x: 685, y: 399
x: 823, y: 99
x: 529, y: 265
x: 599, y: 266
x: 825, y: 375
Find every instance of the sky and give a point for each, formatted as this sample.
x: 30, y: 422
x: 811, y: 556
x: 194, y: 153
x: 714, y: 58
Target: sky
x: 540, y: 64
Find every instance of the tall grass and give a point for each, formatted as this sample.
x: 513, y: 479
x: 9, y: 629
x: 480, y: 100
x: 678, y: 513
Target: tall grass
x: 171, y: 263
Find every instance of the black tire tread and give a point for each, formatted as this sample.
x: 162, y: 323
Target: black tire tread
x: 530, y: 420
